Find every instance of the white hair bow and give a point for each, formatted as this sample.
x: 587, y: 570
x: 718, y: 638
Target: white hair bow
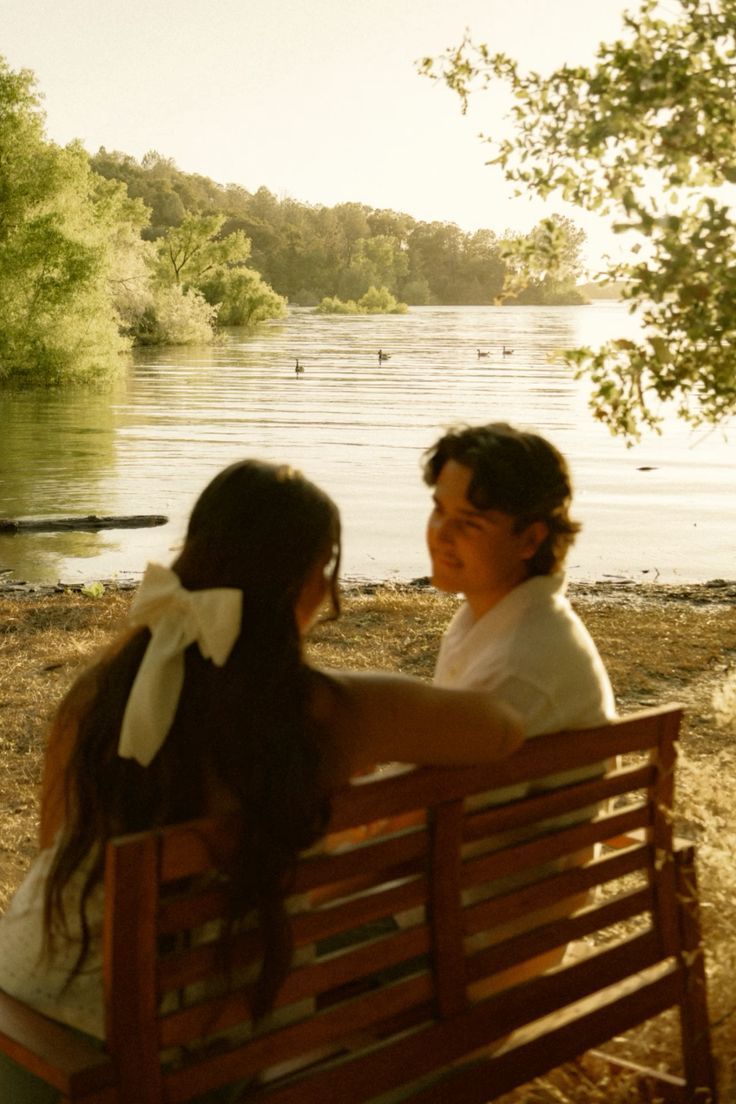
x: 176, y: 618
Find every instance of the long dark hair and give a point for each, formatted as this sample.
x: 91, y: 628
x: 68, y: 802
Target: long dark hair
x: 243, y: 729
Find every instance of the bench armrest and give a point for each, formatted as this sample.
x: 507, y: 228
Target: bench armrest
x: 49, y: 1050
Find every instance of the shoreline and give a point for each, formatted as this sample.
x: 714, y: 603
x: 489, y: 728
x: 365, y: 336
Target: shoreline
x: 712, y: 592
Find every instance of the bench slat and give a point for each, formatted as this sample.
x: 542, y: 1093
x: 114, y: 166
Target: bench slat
x: 193, y: 964
x: 552, y: 845
x: 220, y: 1013
x: 542, y: 806
x: 588, y: 1028
x: 542, y: 758
x: 372, y: 861
x: 559, y: 887
x: 332, y: 1027
x: 439, y: 1045
x: 563, y: 930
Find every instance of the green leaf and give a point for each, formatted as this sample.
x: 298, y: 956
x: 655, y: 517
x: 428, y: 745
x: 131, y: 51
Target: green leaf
x: 93, y: 590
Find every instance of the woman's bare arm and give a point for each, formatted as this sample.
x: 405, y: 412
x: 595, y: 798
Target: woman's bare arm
x: 377, y: 718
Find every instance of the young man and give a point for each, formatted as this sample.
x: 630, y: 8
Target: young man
x: 498, y: 533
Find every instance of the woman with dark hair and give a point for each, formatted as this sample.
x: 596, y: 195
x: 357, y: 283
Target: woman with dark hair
x: 206, y: 704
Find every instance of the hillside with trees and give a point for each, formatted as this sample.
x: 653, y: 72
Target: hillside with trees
x: 84, y: 275
x: 101, y: 253
x: 309, y: 253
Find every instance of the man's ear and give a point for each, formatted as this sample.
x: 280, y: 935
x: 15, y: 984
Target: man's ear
x: 532, y: 537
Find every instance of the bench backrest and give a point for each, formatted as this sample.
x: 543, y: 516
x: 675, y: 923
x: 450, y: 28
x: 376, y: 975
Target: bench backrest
x: 372, y: 1004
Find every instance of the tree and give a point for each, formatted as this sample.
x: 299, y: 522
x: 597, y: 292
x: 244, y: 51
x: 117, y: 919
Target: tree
x: 242, y: 297
x: 417, y: 291
x: 435, y: 253
x: 543, y: 266
x: 482, y: 268
x: 169, y: 192
x: 377, y: 261
x: 192, y: 252
x: 59, y: 237
x: 379, y: 300
x: 177, y: 316
x: 310, y: 253
x: 195, y: 259
x: 130, y: 257
x: 353, y: 225
x: 392, y: 224
x: 645, y: 137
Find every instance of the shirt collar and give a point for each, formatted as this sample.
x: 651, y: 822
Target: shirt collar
x: 531, y: 592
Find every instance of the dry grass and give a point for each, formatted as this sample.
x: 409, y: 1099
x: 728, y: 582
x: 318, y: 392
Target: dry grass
x: 659, y: 644
x: 44, y: 642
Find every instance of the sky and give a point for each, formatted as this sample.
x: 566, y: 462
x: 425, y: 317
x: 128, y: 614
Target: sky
x: 319, y: 100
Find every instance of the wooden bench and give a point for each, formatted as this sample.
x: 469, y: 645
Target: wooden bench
x: 364, y: 1024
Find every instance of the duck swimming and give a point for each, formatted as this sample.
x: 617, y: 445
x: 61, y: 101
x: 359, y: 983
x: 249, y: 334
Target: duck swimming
x: 383, y: 356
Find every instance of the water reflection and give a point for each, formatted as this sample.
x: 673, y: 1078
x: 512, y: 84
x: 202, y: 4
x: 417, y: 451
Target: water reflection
x: 57, y: 455
x: 358, y: 427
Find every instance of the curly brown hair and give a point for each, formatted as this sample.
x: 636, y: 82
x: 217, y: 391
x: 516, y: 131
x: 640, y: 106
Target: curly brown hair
x: 517, y: 472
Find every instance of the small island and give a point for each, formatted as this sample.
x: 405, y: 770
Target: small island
x: 375, y: 301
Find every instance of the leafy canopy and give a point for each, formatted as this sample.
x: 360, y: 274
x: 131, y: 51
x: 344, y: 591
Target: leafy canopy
x: 192, y: 251
x: 543, y: 266
x: 197, y: 260
x: 645, y: 137
x: 311, y: 252
x: 61, y: 228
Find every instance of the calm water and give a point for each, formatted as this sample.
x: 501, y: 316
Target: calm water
x: 358, y: 428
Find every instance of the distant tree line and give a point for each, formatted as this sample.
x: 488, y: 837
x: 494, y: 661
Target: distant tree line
x: 99, y: 253
x: 310, y: 252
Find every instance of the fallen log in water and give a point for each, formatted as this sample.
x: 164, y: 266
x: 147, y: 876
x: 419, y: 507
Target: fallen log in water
x: 91, y: 522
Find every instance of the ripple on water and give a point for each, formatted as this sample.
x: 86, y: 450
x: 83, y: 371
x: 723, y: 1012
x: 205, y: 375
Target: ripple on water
x: 358, y: 428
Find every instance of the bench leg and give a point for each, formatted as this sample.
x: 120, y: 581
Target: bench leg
x: 696, y: 1046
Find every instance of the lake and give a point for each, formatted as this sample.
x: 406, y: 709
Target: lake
x: 663, y: 510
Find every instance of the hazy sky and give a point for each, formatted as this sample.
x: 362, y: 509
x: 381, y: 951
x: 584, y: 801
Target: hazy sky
x: 318, y: 100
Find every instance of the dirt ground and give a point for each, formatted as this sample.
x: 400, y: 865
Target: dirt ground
x: 660, y: 643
